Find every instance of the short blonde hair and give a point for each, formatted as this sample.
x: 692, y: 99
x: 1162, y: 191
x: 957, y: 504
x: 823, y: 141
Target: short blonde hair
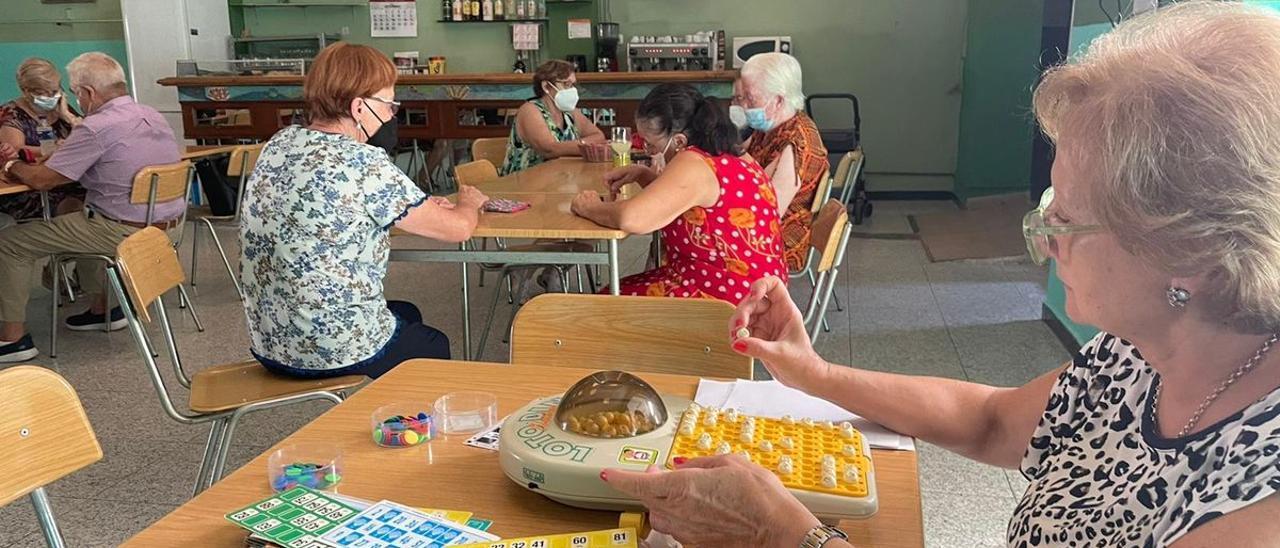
x: 776, y: 75
x: 97, y: 70
x: 1174, y: 117
x: 38, y: 74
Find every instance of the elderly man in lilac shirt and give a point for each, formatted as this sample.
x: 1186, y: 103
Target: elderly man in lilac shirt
x: 117, y: 138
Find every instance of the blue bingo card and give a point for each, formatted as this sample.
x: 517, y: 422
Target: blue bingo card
x: 390, y: 525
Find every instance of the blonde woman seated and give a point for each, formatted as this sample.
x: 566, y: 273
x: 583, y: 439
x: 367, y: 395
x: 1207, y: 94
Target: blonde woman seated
x: 714, y: 205
x: 1164, y: 431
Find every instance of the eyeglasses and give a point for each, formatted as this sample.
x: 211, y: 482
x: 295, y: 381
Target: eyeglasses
x: 565, y: 84
x: 395, y: 105
x: 1041, y: 236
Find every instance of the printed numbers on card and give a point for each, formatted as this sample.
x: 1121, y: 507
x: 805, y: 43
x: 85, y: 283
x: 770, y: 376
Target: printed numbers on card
x: 540, y: 543
x: 620, y: 538
x: 579, y: 541
x: 266, y: 525
x: 244, y: 514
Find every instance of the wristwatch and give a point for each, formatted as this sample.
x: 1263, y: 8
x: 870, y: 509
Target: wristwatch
x: 819, y: 536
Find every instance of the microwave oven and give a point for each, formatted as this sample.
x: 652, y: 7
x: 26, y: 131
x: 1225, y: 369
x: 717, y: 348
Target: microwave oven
x: 744, y: 47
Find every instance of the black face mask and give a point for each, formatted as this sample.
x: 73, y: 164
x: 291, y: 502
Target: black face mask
x: 386, y: 137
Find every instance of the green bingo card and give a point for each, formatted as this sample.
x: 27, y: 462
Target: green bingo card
x: 295, y: 518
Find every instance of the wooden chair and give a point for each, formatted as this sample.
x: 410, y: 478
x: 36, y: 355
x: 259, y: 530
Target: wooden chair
x: 831, y: 230
x: 146, y: 267
x: 44, y: 436
x: 475, y: 173
x: 240, y: 165
x: 493, y: 149
x: 641, y: 334
x: 848, y: 180
x: 152, y: 185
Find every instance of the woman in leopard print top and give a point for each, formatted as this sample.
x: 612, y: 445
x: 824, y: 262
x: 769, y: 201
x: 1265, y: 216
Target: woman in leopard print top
x: 1164, y: 221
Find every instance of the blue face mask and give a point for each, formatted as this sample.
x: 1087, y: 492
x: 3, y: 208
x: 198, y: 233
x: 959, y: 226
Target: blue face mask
x: 757, y: 120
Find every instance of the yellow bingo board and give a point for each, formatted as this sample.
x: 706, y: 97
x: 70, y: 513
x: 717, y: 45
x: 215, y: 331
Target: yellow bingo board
x: 609, y: 538
x: 456, y: 516
x: 806, y: 455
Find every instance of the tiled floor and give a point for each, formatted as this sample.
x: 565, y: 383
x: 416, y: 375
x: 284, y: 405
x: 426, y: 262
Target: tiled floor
x: 966, y: 320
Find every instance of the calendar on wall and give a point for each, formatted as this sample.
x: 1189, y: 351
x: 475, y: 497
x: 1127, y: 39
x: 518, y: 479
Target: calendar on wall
x: 393, y: 18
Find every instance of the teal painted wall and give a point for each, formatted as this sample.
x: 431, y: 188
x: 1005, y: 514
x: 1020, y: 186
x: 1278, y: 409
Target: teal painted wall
x: 30, y: 30
x: 1089, y: 23
x: 1000, y: 68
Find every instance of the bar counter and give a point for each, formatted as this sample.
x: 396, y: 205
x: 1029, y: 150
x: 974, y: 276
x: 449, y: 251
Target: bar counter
x: 445, y: 106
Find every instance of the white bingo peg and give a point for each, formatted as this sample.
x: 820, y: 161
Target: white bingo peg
x: 851, y: 474
x: 850, y: 451
x: 784, y: 466
x: 786, y: 443
x: 704, y: 442
x: 829, y: 481
x: 766, y: 446
x: 742, y: 333
x: 724, y: 448
x: 788, y: 420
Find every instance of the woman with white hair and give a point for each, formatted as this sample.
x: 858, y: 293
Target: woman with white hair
x: 786, y: 142
x: 1164, y: 221
x: 42, y: 103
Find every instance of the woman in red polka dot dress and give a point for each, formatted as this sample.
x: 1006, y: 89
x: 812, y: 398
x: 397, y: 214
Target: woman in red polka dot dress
x: 714, y: 205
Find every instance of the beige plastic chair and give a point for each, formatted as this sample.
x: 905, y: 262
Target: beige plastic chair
x: 152, y: 185
x: 475, y: 173
x: 638, y: 334
x: 147, y: 267
x: 44, y: 436
x: 831, y: 230
x: 849, y: 178
x: 240, y: 165
x: 493, y: 149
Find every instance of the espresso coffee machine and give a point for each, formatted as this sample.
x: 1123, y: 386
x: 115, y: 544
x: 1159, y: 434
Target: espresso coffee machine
x: 700, y: 51
x: 607, y: 38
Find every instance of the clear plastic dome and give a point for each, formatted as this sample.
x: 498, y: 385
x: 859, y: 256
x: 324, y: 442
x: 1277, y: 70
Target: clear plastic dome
x: 611, y: 404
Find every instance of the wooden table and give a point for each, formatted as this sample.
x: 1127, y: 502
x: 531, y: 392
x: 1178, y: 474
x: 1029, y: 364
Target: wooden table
x: 12, y: 188
x: 549, y: 188
x: 447, y: 474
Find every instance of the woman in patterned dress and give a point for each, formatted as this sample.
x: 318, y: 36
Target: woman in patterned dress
x: 715, y: 206
x: 1164, y: 222
x: 786, y: 142
x: 20, y: 118
x: 549, y: 125
x: 314, y: 233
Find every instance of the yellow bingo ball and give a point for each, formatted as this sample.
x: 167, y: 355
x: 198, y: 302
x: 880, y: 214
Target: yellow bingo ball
x: 411, y: 438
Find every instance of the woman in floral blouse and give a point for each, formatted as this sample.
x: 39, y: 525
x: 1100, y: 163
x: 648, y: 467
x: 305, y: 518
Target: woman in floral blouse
x: 317, y: 213
x: 716, y: 208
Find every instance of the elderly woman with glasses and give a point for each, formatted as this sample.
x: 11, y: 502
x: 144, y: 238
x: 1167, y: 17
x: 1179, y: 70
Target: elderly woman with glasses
x: 316, y: 217
x: 1165, y: 226
x: 549, y: 125
x: 42, y: 104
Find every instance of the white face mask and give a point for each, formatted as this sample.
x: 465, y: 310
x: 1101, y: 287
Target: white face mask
x: 659, y: 160
x: 738, y: 116
x: 567, y: 99
x: 46, y: 103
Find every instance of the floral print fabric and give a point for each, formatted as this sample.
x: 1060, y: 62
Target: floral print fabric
x: 717, y: 252
x: 314, y: 232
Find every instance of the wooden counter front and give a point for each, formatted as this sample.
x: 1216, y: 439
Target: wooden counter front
x: 467, y: 79
x: 446, y: 106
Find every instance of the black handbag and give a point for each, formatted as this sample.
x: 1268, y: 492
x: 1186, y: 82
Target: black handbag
x: 219, y: 190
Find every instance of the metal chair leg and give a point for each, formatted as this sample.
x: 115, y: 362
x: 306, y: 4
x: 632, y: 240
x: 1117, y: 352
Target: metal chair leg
x: 493, y: 308
x: 191, y: 307
x: 53, y: 313
x: 106, y: 297
x: 222, y: 252
x: 44, y: 513
x: 206, y: 462
x: 577, y: 269
x: 195, y: 252
x: 835, y: 298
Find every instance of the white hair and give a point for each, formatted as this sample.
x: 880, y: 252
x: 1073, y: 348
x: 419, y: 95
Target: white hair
x: 776, y: 75
x: 96, y: 70
x: 1175, y: 117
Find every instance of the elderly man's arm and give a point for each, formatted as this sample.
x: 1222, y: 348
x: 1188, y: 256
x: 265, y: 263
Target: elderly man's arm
x: 36, y: 176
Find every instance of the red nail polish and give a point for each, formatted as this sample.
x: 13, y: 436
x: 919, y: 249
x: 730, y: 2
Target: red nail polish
x: 679, y: 460
x: 740, y: 346
x: 604, y: 475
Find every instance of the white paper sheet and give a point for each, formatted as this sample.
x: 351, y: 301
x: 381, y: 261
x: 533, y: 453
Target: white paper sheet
x: 772, y: 399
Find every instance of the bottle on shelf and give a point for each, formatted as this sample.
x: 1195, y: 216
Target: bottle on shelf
x: 457, y: 10
x: 446, y: 10
x: 498, y: 13
x: 520, y: 14
x: 509, y: 9
x: 476, y: 10
x: 466, y: 10
x: 542, y: 9
x: 487, y: 10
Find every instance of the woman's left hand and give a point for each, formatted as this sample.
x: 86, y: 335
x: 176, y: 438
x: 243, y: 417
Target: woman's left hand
x: 583, y: 201
x: 718, y: 501
x: 442, y: 202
